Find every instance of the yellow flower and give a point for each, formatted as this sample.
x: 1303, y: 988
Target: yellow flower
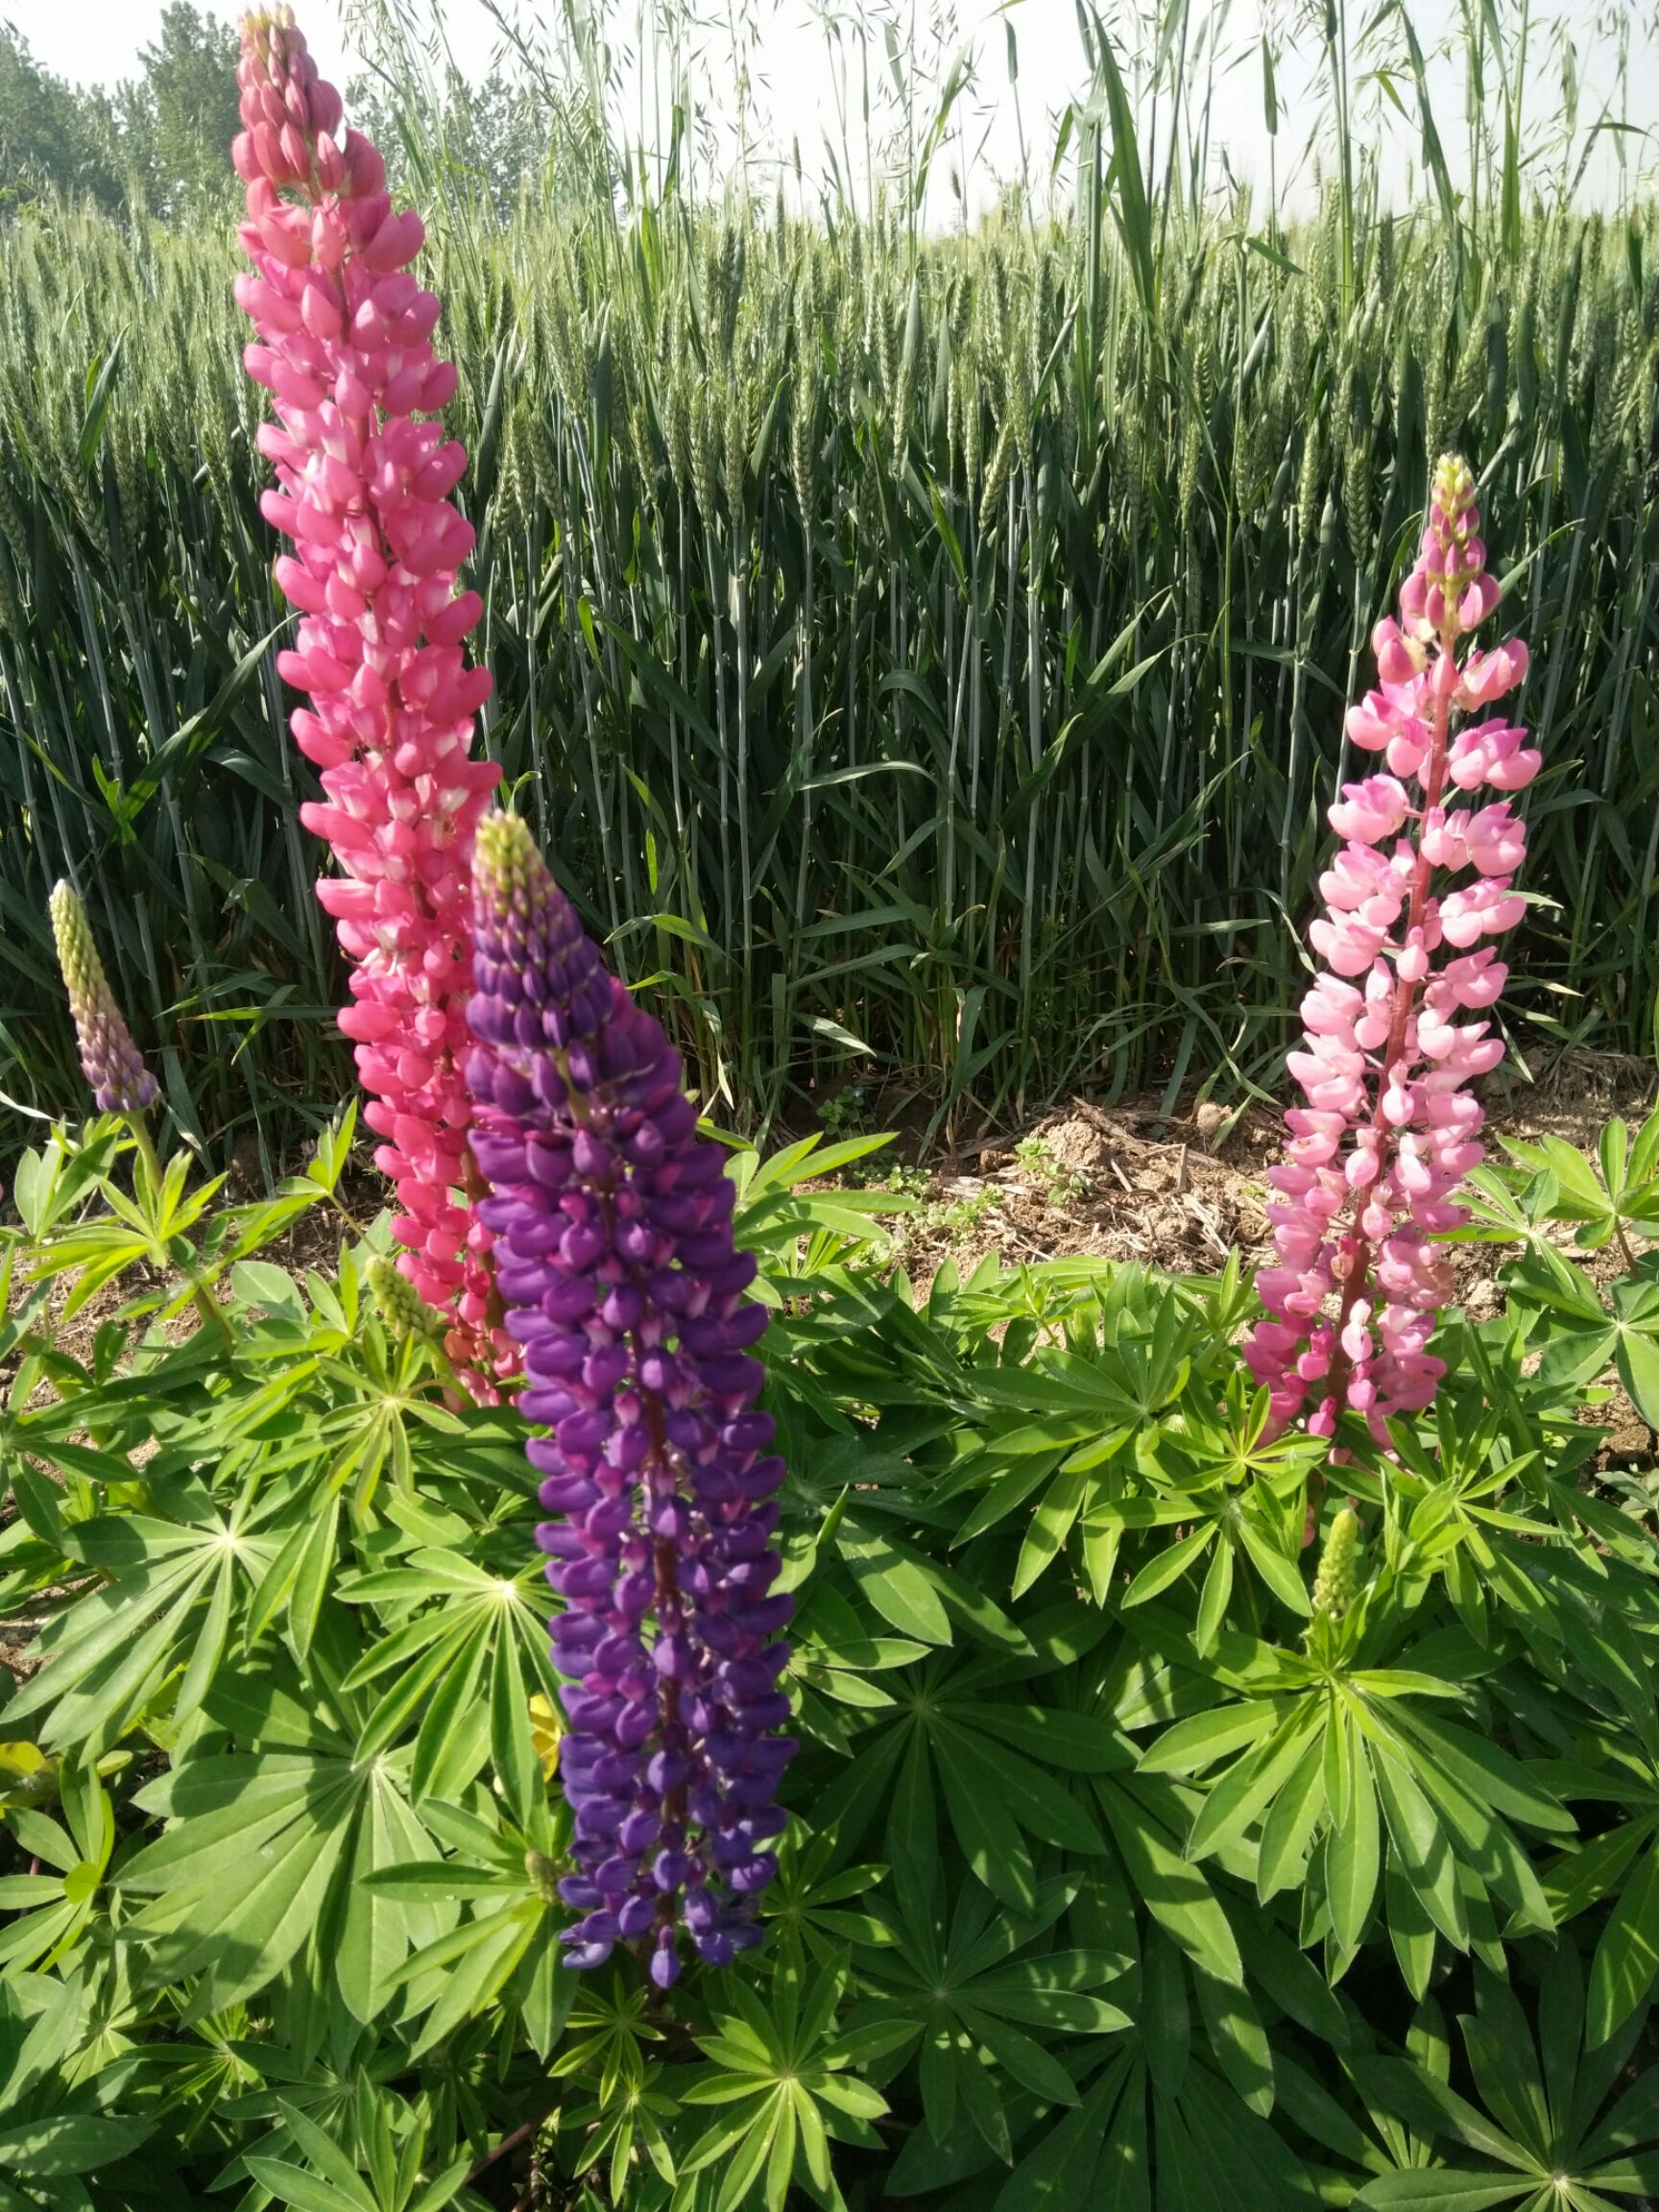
x: 546, y: 1726
x: 28, y: 1776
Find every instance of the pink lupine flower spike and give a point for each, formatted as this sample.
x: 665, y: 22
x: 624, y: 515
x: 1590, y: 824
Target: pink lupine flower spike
x: 363, y: 479
x: 1390, y: 1126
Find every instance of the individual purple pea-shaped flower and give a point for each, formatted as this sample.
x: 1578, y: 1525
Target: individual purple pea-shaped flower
x: 615, y: 1255
x: 109, y: 1060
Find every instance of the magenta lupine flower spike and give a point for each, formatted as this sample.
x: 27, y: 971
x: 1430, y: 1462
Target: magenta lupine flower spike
x: 363, y: 482
x: 1390, y: 1126
x: 109, y: 1060
x: 614, y: 1250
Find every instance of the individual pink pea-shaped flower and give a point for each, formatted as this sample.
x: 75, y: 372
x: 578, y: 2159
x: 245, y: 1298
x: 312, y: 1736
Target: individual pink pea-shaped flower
x: 1398, y: 658
x: 1368, y: 812
x: 1360, y: 881
x: 1346, y: 943
x: 1486, y: 676
x: 1483, y: 909
x: 1492, y: 753
x: 1496, y: 840
x: 1409, y: 746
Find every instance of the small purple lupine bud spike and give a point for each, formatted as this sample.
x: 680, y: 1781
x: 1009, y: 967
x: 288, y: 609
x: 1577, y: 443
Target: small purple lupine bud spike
x: 109, y: 1060
x: 615, y: 1254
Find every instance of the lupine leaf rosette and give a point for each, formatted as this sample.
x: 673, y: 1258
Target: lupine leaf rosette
x: 616, y: 1263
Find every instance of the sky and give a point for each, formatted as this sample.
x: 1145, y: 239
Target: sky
x: 1001, y: 127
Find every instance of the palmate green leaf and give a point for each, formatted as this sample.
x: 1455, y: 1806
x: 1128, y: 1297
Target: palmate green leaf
x: 1607, y: 1196
x: 1202, y: 2143
x: 70, y: 2143
x: 111, y: 1651
x: 57, y: 1912
x: 967, y: 1998
x: 1626, y: 1959
x: 1176, y: 1893
x: 259, y: 1849
x: 993, y: 1795
x: 1353, y: 1850
x: 774, y: 2057
x: 1435, y: 2189
x: 465, y: 1664
x: 381, y: 1927
x: 1543, y: 2142
x: 462, y: 1975
x: 506, y: 1949
x: 242, y: 1876
x: 307, y: 2192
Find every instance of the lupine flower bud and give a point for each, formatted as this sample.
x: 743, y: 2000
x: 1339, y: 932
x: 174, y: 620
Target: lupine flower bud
x: 402, y: 1310
x: 1389, y: 1128
x: 615, y: 1254
x: 363, y: 477
x: 1336, y: 1583
x: 110, y: 1061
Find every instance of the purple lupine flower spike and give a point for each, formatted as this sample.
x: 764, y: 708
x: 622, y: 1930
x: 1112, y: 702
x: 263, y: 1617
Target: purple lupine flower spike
x: 109, y: 1060
x: 614, y: 1256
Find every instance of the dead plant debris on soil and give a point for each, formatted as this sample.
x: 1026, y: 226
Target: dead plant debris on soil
x: 1178, y: 1191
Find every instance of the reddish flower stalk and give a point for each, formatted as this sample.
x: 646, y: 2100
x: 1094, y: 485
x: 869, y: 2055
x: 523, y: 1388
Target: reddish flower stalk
x: 363, y: 482
x: 1390, y: 1126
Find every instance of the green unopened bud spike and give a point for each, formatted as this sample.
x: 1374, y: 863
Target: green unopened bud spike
x: 109, y: 1060
x: 1337, y: 1584
x: 402, y: 1309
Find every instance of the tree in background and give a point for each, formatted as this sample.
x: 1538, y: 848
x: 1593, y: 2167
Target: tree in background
x: 159, y: 143
x: 176, y: 120
x: 53, y: 136
x: 497, y: 134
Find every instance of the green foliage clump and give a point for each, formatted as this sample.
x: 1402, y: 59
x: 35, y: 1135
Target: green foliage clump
x: 1179, y: 1819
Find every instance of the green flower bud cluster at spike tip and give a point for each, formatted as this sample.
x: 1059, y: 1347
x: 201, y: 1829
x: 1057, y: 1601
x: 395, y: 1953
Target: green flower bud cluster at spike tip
x: 363, y: 474
x: 1337, y: 1584
x: 402, y: 1309
x: 615, y: 1255
x: 1390, y: 1126
x: 110, y: 1061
